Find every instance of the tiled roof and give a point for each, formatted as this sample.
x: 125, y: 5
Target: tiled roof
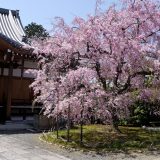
x: 11, y: 29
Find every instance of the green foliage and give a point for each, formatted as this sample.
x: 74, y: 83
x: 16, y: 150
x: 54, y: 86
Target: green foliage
x: 123, y: 122
x: 34, y: 30
x: 149, y: 80
x: 142, y: 113
x: 135, y: 94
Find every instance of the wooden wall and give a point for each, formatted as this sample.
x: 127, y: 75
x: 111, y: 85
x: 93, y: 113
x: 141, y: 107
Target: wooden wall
x: 3, y: 90
x: 21, y: 94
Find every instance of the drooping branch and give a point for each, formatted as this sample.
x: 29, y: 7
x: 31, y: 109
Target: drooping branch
x: 127, y: 85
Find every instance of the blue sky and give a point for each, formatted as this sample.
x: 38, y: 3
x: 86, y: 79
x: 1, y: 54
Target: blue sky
x: 44, y: 11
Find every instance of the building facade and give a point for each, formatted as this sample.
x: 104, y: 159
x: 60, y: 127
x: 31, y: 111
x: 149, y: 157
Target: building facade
x: 15, y: 58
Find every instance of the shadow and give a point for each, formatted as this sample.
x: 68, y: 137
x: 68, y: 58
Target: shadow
x: 18, y: 126
x: 10, y: 132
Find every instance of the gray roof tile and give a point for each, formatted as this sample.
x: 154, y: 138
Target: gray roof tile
x: 11, y: 29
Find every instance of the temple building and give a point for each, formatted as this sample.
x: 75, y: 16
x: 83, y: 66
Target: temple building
x: 15, y: 58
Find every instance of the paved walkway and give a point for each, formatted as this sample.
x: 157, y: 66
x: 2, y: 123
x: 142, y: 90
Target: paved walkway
x: 12, y: 148
x: 17, y: 142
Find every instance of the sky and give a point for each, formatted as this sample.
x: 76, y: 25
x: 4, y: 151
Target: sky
x: 43, y: 11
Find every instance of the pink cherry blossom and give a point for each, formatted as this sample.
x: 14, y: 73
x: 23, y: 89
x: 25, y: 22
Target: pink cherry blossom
x: 96, y: 66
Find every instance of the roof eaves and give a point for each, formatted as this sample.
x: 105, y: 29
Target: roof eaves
x: 6, y: 11
x: 11, y: 41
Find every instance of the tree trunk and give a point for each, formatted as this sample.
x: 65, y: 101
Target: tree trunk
x: 115, y: 127
x: 115, y: 122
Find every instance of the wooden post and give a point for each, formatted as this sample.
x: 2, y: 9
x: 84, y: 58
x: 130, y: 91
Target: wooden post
x: 57, y: 118
x: 9, y: 91
x: 2, y: 71
x: 81, y: 122
x: 22, y: 67
x: 57, y: 126
x: 9, y: 87
x: 81, y: 128
x: 68, y: 124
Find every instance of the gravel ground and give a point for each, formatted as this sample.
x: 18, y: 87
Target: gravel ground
x: 33, y: 139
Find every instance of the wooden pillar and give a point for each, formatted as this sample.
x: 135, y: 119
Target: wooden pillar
x: 22, y: 67
x: 2, y: 71
x: 9, y: 91
x: 9, y: 87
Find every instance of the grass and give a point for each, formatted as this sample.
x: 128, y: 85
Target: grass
x: 103, y: 138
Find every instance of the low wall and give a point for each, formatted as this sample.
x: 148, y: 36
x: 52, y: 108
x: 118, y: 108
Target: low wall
x: 42, y: 122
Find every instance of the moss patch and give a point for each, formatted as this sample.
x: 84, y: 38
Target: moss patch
x: 102, y: 138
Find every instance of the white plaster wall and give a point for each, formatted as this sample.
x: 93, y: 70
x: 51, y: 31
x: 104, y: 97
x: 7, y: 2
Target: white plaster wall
x: 5, y: 72
x: 30, y: 64
x: 17, y: 73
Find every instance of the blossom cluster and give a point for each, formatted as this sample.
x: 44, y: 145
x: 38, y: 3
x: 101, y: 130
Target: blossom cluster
x: 98, y: 67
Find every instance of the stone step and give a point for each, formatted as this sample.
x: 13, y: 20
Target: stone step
x: 16, y: 125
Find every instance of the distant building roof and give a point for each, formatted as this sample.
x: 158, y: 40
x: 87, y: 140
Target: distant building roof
x: 11, y: 29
